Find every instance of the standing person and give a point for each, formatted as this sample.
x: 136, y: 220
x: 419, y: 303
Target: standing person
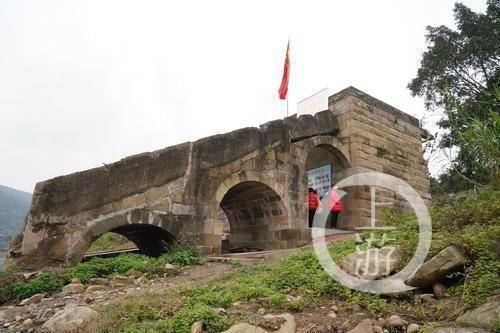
x: 335, y: 206
x: 313, y: 203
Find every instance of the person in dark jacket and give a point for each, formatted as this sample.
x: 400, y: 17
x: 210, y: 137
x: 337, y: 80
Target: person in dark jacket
x: 314, y: 204
x: 335, y: 205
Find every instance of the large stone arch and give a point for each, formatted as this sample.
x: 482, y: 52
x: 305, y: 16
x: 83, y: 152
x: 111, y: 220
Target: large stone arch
x: 254, y: 205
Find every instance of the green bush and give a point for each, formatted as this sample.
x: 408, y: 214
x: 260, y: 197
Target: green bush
x: 45, y: 283
x: 182, y: 256
x: 212, y: 321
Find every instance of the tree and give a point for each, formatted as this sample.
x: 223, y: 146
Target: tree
x: 460, y: 73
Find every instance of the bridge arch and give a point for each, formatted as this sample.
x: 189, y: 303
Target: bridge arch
x: 254, y: 209
x: 330, y: 154
x: 149, y: 231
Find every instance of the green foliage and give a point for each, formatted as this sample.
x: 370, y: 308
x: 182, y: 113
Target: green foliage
x: 212, y: 321
x: 460, y: 71
x: 45, y: 283
x: 110, y: 241
x: 182, y: 256
x: 473, y: 223
x: 100, y: 267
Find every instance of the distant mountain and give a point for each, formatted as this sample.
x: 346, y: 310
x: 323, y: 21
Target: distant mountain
x: 14, y: 205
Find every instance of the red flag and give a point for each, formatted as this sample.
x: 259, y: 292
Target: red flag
x: 286, y: 75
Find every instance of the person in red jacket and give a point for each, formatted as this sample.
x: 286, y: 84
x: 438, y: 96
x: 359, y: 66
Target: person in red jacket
x: 335, y: 205
x: 314, y: 204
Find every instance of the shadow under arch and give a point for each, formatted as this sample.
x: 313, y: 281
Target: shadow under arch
x: 324, y: 155
x: 255, y: 213
x: 151, y: 240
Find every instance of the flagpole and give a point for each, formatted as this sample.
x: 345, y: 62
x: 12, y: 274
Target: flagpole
x: 287, y: 102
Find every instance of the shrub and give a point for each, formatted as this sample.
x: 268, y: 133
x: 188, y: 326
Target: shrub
x: 182, y: 256
x: 46, y: 282
x: 212, y: 321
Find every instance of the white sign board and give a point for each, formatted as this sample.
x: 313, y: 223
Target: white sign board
x: 320, y: 179
x: 313, y: 104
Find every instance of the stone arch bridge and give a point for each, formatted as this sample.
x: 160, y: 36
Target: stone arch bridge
x: 256, y: 176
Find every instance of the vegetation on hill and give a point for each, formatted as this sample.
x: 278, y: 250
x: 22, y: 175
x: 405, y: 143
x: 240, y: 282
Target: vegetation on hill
x: 459, y: 77
x: 111, y: 241
x: 14, y: 206
x: 298, y: 281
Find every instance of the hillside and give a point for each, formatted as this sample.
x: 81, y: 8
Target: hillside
x: 14, y: 205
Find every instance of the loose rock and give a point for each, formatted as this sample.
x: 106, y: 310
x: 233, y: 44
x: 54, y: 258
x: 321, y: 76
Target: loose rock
x: 197, y: 327
x: 438, y: 289
x: 33, y: 299
x: 412, y: 328
x: 396, y: 321
x: 73, y: 319
x: 73, y: 288
x: 447, y: 261
x: 483, y: 316
x: 366, y: 326
x: 122, y: 281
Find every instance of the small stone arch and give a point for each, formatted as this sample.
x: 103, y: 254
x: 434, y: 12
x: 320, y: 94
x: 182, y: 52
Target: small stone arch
x: 322, y: 151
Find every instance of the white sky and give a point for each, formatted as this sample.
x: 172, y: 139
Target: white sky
x: 86, y: 82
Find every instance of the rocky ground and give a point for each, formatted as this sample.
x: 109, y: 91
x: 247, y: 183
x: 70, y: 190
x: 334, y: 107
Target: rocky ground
x: 29, y: 315
x: 78, y: 307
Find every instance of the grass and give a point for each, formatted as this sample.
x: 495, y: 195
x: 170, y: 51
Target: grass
x: 53, y: 281
x: 472, y: 222
x: 110, y: 241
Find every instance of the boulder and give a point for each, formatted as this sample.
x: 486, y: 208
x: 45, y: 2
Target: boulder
x: 287, y: 326
x: 122, y: 281
x: 245, y: 328
x: 438, y: 289
x: 72, y: 319
x: 373, y: 265
x: 483, y: 316
x: 134, y: 273
x: 197, y: 327
x: 96, y: 287
x: 33, y: 299
x: 412, y: 328
x: 100, y: 281
x: 28, y: 322
x: 73, y: 288
x: 396, y: 321
x: 366, y: 326
x: 169, y: 268
x: 447, y: 261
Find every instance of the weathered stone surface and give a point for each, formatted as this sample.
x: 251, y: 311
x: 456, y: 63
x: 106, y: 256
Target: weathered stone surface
x: 122, y: 281
x: 447, y: 261
x: 366, y: 326
x: 73, y: 288
x: 197, y: 327
x: 134, y: 273
x: 33, y: 299
x: 72, y: 319
x: 100, y: 281
x: 396, y: 321
x: 258, y: 175
x: 483, y: 316
x: 368, y: 267
x: 96, y: 287
x: 288, y: 325
x: 412, y: 328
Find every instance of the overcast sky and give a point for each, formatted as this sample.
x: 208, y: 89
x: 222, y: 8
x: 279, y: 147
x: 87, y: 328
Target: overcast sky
x: 86, y: 82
